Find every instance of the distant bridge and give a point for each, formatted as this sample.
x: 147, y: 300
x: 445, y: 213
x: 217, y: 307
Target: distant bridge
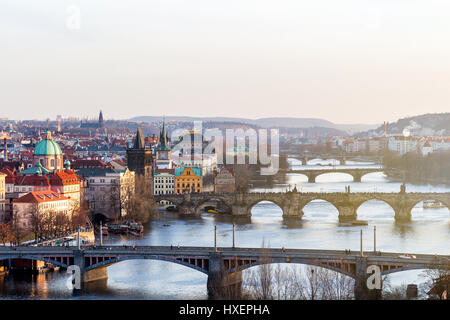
x: 224, y: 265
x: 356, y: 173
x: 341, y: 158
x: 292, y: 203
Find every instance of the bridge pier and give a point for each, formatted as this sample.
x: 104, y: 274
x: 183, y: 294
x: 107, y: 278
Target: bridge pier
x: 187, y: 209
x: 239, y: 210
x: 311, y: 178
x: 292, y: 210
x: 346, y: 213
x: 222, y: 284
x: 361, y: 291
x: 90, y: 275
x: 402, y: 214
x: 357, y: 177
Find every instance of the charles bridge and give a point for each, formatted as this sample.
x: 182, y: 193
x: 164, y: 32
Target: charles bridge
x: 292, y: 203
x: 224, y: 265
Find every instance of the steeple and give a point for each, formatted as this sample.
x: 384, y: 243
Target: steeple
x: 163, y: 136
x: 139, y: 142
x: 100, y: 120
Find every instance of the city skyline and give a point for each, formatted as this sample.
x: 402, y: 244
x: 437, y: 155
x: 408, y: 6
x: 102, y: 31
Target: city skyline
x: 357, y: 63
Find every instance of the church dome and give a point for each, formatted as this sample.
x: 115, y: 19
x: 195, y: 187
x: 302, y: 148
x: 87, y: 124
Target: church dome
x: 47, y: 147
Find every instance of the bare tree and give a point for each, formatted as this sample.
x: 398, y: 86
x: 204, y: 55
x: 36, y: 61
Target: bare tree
x: 37, y: 221
x: 17, y: 231
x: 437, y: 278
x: 261, y: 279
x: 242, y: 177
x: 137, y: 200
x: 5, y: 233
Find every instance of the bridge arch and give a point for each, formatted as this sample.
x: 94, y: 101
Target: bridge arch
x: 327, y: 201
x: 37, y: 258
x: 315, y: 263
x: 416, y: 202
x: 377, y: 199
x: 444, y: 202
x: 218, y: 200
x: 256, y: 202
x: 155, y: 257
x: 341, y: 173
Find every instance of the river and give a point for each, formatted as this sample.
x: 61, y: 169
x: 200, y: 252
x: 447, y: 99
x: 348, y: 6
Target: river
x: 428, y: 232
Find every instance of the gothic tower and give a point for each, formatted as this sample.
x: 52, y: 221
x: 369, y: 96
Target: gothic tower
x: 140, y: 158
x: 100, y: 120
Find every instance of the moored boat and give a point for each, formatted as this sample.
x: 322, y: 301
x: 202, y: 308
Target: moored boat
x: 432, y: 204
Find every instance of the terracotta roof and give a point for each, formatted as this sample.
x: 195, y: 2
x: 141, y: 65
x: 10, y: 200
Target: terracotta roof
x: 63, y: 178
x: 40, y: 197
x: 32, y: 181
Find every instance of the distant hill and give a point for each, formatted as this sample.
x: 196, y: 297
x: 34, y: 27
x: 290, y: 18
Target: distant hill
x: 430, y: 124
x: 268, y: 122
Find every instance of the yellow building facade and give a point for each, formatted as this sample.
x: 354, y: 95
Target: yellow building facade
x: 188, y: 180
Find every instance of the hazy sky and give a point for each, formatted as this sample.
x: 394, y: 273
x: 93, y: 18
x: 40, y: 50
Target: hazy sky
x: 348, y: 61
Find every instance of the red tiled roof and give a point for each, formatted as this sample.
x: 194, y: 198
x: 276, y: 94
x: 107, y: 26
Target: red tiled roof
x: 63, y: 178
x: 40, y: 196
x: 30, y: 180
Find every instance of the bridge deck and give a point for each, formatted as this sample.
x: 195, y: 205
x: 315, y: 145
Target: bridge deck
x: 383, y: 257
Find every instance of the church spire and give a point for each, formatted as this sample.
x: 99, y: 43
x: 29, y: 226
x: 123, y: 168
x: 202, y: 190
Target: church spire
x: 139, y: 142
x: 164, y: 136
x: 100, y: 120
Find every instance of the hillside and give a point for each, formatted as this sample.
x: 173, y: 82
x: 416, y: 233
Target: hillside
x: 268, y: 122
x: 430, y: 124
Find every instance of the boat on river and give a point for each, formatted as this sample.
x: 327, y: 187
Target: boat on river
x: 432, y: 204
x: 135, y: 228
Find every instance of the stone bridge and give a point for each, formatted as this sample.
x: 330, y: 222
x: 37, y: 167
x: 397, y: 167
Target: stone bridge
x: 224, y: 265
x: 356, y: 173
x: 292, y: 203
x: 341, y: 158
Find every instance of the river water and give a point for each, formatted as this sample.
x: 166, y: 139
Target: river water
x: 428, y: 232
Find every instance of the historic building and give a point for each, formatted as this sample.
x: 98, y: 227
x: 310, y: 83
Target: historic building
x: 164, y: 181
x: 48, y: 154
x: 42, y: 202
x: 94, y: 125
x: 163, y: 151
x: 106, y: 188
x: 188, y: 180
x: 140, y: 158
x: 224, y: 182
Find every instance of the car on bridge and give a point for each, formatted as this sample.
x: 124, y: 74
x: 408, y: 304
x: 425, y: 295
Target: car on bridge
x: 407, y: 256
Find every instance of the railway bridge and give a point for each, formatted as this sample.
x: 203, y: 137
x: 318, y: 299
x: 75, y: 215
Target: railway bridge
x: 293, y: 202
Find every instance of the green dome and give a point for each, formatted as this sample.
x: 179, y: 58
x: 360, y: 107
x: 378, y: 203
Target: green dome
x: 47, y: 147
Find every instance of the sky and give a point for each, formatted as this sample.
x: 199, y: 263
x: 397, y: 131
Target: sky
x: 347, y: 61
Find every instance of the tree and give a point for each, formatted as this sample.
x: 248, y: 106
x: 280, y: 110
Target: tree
x: 16, y: 230
x: 5, y: 233
x: 261, y: 279
x: 438, y: 279
x: 242, y: 177
x: 137, y: 200
x: 37, y: 221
